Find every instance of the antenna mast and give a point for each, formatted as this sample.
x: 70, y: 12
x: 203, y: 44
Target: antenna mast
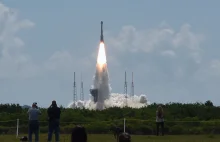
x: 132, y: 86
x: 125, y: 89
x: 74, y: 92
x: 81, y: 90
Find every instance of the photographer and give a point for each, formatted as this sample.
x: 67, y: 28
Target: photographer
x: 33, y: 126
x: 54, y: 121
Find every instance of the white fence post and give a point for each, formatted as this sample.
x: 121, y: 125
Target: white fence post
x: 124, y: 125
x: 17, y: 128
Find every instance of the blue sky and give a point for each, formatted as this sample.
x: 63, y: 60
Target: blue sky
x: 171, y: 46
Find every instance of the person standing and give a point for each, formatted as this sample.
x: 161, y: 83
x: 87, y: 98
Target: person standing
x: 54, y: 121
x: 33, y: 124
x: 160, y: 120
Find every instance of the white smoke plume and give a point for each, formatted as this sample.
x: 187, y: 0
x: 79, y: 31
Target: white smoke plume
x: 114, y: 100
x: 100, y: 82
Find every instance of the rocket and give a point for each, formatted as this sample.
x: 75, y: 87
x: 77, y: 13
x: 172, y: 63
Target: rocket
x: 101, y: 37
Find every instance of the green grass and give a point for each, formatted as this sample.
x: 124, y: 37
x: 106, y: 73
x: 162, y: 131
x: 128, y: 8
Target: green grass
x: 135, y: 138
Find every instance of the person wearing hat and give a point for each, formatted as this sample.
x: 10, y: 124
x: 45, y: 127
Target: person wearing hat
x: 33, y: 125
x: 54, y: 121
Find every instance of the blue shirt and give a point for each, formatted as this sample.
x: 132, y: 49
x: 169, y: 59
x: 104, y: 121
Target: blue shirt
x: 33, y: 113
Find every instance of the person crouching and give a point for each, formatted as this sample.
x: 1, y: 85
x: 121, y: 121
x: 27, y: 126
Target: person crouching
x: 124, y: 137
x: 79, y: 134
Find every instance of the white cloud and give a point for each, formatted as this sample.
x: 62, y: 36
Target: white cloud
x: 186, y: 38
x: 156, y: 46
x: 214, y: 68
x: 169, y: 64
x: 162, y: 39
x: 59, y: 60
x: 170, y: 53
x: 215, y: 64
x: 13, y: 63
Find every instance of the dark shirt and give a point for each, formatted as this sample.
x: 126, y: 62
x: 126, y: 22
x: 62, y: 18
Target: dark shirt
x: 53, y: 113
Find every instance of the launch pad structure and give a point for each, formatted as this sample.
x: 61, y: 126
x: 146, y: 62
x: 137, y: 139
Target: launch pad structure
x: 81, y: 90
x: 75, y: 98
x: 126, y: 87
x: 94, y: 92
x: 125, y: 90
x: 132, y: 85
x: 74, y: 91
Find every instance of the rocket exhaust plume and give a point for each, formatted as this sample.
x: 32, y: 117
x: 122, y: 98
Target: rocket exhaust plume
x: 100, y: 91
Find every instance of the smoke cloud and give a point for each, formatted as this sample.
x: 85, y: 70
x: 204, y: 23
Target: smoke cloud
x: 114, y: 100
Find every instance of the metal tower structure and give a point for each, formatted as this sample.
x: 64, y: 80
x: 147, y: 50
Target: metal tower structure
x: 81, y: 90
x: 74, y: 92
x: 132, y: 86
x: 125, y: 90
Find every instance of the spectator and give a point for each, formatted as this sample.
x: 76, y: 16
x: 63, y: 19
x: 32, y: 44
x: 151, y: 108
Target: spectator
x: 54, y: 121
x: 33, y: 126
x: 79, y: 134
x: 124, y: 137
x: 160, y: 120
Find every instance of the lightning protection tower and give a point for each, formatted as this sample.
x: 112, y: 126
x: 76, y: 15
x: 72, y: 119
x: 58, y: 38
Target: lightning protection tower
x: 74, y: 92
x: 125, y: 90
x: 81, y: 90
x: 132, y: 86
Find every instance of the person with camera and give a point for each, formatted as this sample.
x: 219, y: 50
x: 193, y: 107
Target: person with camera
x: 33, y: 124
x: 54, y: 121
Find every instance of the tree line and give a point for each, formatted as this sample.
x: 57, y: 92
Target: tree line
x: 194, y: 118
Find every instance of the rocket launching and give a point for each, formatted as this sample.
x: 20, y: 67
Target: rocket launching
x: 100, y: 91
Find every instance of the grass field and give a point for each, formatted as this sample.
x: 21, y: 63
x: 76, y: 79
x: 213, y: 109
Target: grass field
x: 135, y: 138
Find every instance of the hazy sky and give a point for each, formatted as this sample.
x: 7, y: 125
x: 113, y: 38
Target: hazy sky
x: 171, y: 46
